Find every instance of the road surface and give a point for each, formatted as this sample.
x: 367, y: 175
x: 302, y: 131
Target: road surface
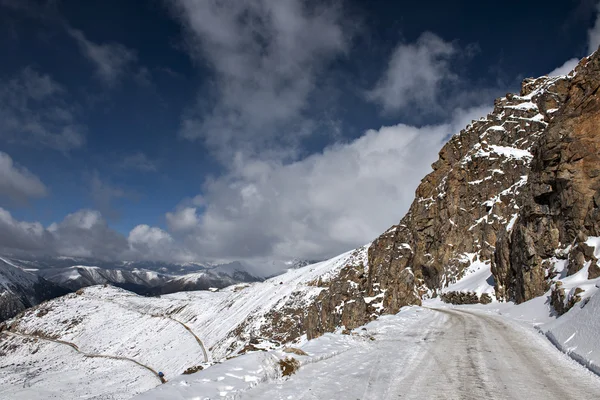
x: 446, y: 354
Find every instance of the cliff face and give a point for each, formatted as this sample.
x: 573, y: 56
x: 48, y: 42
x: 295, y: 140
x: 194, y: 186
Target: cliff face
x: 516, y: 191
x: 461, y: 209
x: 561, y: 202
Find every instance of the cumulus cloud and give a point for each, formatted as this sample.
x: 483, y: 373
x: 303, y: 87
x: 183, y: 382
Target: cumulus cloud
x: 414, y: 74
x: 22, y: 236
x: 85, y: 233
x: 152, y: 243
x: 17, y: 183
x: 111, y: 60
x: 315, y: 208
x: 34, y: 111
x: 184, y: 219
x: 318, y: 207
x: 266, y: 57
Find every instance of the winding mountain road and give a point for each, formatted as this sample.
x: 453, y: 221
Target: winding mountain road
x: 90, y: 355
x: 444, y: 354
x: 198, y: 340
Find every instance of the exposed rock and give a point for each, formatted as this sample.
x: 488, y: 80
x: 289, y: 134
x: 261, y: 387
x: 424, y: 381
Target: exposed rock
x: 465, y: 298
x: 289, y: 366
x: 560, y: 203
x: 561, y: 301
x: 193, y: 370
x: 518, y: 189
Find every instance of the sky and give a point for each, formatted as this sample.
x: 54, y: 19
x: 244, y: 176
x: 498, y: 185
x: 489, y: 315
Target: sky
x: 211, y: 130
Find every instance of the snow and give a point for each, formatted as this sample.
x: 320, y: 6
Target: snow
x: 114, y: 322
x: 477, y: 277
x: 11, y: 275
x: 239, y: 376
x: 577, y: 333
x: 419, y: 353
x: 487, y: 151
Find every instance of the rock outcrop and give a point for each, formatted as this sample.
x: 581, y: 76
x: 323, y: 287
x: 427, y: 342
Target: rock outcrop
x: 561, y: 202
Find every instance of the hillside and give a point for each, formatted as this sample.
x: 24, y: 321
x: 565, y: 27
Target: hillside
x: 20, y: 289
x: 509, y: 213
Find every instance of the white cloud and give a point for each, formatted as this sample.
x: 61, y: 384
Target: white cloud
x: 594, y: 33
x: 17, y: 183
x: 111, y: 60
x: 266, y: 210
x: 415, y: 74
x: 266, y: 56
x: 85, y: 233
x: 33, y: 110
x: 564, y: 69
x: 23, y: 236
x: 184, y: 219
x: 318, y: 207
x: 152, y: 243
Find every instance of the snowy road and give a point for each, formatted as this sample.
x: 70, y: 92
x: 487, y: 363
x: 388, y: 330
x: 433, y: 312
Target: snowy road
x: 444, y: 354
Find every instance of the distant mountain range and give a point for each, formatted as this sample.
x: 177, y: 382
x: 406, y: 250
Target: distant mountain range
x: 20, y: 289
x: 27, y: 282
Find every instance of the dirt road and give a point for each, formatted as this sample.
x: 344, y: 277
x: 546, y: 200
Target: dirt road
x: 448, y: 354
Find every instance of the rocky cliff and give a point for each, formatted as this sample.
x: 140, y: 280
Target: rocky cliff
x: 515, y: 190
x: 561, y: 202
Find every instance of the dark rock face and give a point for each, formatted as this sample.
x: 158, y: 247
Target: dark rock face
x: 465, y: 298
x: 561, y: 202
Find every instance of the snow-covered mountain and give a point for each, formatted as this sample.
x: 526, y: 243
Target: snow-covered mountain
x: 79, y: 276
x: 511, y: 212
x: 20, y: 289
x: 169, y: 333
x: 146, y: 278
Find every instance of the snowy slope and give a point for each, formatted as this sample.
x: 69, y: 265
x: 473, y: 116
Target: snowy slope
x: 158, y: 332
x: 443, y: 353
x: 261, y: 371
x: 477, y: 277
x: 20, y: 289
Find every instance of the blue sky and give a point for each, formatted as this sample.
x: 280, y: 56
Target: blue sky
x: 206, y: 130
